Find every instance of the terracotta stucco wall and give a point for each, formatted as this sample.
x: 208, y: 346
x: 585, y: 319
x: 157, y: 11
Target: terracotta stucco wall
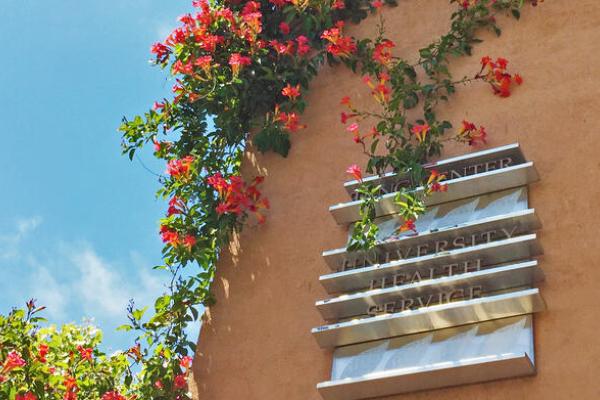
x: 257, y: 343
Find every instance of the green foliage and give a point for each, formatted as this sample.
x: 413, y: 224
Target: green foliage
x: 364, y: 231
x: 400, y: 87
x: 202, y: 134
x: 272, y: 139
x: 50, y: 356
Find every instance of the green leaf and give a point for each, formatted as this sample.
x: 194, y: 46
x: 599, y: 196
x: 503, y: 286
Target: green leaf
x: 410, y: 72
x: 139, y: 313
x: 411, y: 100
x: 124, y: 328
x: 162, y: 303
x: 272, y: 140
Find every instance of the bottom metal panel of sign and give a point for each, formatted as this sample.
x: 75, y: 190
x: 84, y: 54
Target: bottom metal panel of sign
x: 473, y: 353
x: 430, y: 318
x: 503, y: 366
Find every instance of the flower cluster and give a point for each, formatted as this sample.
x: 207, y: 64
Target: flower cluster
x: 289, y: 120
x: 85, y: 353
x: 113, y: 396
x: 71, y: 388
x: 379, y: 90
x: 180, y: 381
x: 204, y: 29
x: 339, y: 45
x: 180, y: 168
x: 237, y: 197
x: 237, y: 61
x: 408, y: 225
x: 433, y: 183
x: 299, y: 47
x: 26, y: 396
x: 355, y: 172
x: 382, y: 53
x: 291, y: 92
x: 469, y: 133
x: 354, y: 127
x: 42, y: 353
x: 13, y: 361
x: 420, y: 131
x: 177, y: 239
x: 176, y: 206
x: 466, y: 4
x: 216, y: 43
x: 496, y: 74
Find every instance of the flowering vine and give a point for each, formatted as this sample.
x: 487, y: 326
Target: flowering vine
x: 392, y: 138
x: 240, y: 71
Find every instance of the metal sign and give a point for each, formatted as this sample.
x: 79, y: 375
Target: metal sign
x: 448, y: 305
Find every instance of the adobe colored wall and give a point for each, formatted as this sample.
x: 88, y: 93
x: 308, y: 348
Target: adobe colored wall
x: 257, y: 344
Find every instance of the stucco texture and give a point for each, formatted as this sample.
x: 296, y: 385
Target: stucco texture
x: 256, y: 342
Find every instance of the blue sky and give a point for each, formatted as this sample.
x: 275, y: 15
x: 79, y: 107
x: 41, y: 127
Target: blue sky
x: 78, y: 221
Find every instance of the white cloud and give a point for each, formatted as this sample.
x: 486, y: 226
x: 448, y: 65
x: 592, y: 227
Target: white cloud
x: 74, y: 281
x: 48, y: 292
x: 10, y: 242
x: 102, y: 289
x: 26, y: 225
x: 97, y: 285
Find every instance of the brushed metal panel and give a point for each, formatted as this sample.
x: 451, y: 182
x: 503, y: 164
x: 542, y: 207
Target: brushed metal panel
x: 456, y: 212
x: 522, y: 221
x: 497, y: 252
x: 460, y: 188
x: 493, y: 279
x: 490, y: 338
x: 429, y: 318
x: 511, y: 150
x: 437, y: 376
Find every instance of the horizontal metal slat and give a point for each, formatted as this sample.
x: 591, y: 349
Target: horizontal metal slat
x: 429, y: 318
x: 460, y: 188
x: 492, y: 279
x: 522, y: 221
x: 512, y: 151
x: 437, y: 376
x: 497, y: 252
